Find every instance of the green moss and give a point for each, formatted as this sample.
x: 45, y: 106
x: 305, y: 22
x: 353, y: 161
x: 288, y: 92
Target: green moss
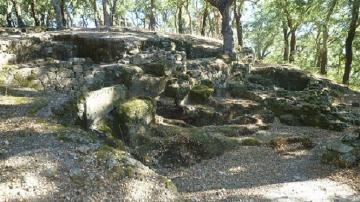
x: 250, y: 141
x: 136, y: 108
x: 37, y: 105
x: 200, y: 93
x: 105, y: 150
x: 64, y: 138
x: 115, y: 142
x: 168, y: 184
x: 131, y: 171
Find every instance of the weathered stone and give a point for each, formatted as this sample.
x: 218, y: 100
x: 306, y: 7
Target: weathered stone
x: 147, y: 85
x: 94, y: 105
x: 134, y: 117
x: 200, y: 94
x: 339, y: 147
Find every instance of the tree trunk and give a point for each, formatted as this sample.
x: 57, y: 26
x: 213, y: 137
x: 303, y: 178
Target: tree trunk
x: 189, y: 16
x: 59, y: 17
x: 286, y: 42
x: 204, y: 18
x: 323, y: 58
x: 349, y: 41
x: 226, y: 30
x: 152, y: 23
x: 33, y: 13
x: 239, y: 28
x: 216, y: 23
x: 62, y: 7
x: 18, y: 14
x: 224, y: 6
x: 106, y: 13
x: 113, y: 12
x: 317, y: 47
x: 97, y: 18
x: 42, y: 19
x: 180, y: 20
x: 292, y: 46
x: 8, y: 15
x: 325, y: 33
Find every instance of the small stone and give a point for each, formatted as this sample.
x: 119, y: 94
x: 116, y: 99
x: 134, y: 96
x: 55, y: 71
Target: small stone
x: 111, y: 163
x: 3, y: 152
x: 83, y: 149
x: 49, y: 172
x: 348, y: 138
x: 339, y: 147
x: 77, y: 175
x: 355, y: 104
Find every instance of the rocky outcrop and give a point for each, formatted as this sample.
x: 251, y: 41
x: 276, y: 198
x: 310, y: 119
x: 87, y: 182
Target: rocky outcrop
x: 139, y: 86
x: 344, y: 152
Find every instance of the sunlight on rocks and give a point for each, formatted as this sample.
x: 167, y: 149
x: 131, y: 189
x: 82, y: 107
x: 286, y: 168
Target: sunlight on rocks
x: 13, y: 100
x: 28, y: 185
x: 24, y: 178
x: 236, y: 170
x: 311, y: 190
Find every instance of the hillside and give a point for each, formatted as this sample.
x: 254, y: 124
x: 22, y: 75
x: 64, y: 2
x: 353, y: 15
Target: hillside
x: 131, y: 115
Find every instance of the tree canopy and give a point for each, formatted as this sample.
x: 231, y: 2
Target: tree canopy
x: 317, y: 35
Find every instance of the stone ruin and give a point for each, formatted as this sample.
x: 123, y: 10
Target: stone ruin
x: 173, y: 99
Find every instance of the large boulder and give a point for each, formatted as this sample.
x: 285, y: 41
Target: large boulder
x: 135, y: 117
x: 343, y: 153
x: 200, y: 94
x: 147, y: 85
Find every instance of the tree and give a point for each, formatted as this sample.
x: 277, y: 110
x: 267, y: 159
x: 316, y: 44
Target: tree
x: 152, y: 23
x: 237, y: 15
x: 224, y: 7
x: 59, y: 15
x: 349, y: 40
x: 323, y: 56
x: 204, y: 18
x: 106, y: 13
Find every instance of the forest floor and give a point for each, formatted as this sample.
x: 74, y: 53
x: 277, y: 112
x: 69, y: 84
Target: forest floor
x: 254, y: 173
x: 39, y: 165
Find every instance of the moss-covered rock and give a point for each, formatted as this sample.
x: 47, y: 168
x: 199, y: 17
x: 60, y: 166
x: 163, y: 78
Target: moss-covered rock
x: 137, y: 110
x: 174, y: 145
x: 200, y: 94
x: 134, y: 117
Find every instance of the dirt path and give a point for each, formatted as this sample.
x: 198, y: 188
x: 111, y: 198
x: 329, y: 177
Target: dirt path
x: 262, y: 174
x: 44, y: 161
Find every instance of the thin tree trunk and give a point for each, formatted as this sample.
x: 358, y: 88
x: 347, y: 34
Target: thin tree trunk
x: 239, y: 28
x: 180, y: 19
x: 189, y: 16
x: 217, y: 24
x: 152, y: 23
x: 18, y: 14
x: 325, y: 33
x: 292, y: 46
x: 175, y: 20
x: 8, y: 15
x: 204, y: 18
x: 317, y: 47
x: 59, y: 17
x: 323, y: 58
x: 349, y: 41
x: 97, y: 18
x: 113, y: 12
x: 33, y: 13
x: 62, y: 7
x: 286, y: 42
x: 42, y: 19
x: 106, y: 13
